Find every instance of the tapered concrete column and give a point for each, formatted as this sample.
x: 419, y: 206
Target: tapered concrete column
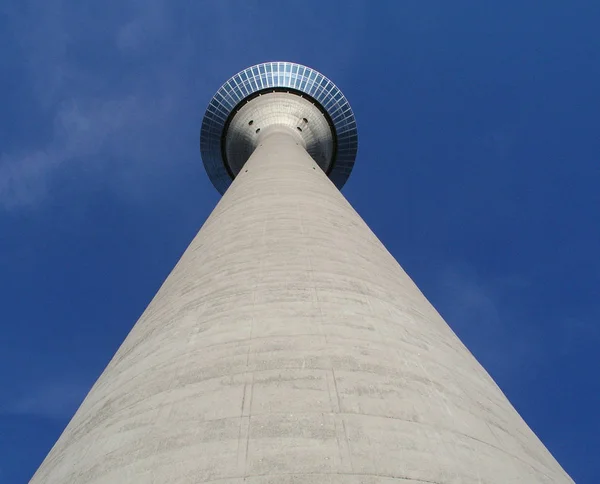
x: 288, y: 346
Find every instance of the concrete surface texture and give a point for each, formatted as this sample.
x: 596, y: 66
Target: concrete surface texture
x: 288, y: 346
x: 274, y: 110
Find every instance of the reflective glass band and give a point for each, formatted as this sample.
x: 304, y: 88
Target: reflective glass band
x: 277, y: 75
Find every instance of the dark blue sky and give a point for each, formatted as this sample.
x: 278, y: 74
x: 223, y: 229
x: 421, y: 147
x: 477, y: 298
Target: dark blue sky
x: 478, y: 167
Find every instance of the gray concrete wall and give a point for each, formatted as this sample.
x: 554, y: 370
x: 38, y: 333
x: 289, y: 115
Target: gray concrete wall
x: 288, y: 346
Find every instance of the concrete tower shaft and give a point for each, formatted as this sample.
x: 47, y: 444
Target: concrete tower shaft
x: 288, y: 346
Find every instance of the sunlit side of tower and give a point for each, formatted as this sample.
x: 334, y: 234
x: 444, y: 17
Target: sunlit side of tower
x: 287, y: 345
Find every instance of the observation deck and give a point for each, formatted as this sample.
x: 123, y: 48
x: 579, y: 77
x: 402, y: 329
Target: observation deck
x: 278, y: 94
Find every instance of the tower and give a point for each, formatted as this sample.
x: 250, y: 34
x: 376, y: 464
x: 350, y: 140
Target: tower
x: 287, y: 345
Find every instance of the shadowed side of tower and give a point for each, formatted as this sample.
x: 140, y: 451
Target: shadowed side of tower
x: 288, y: 346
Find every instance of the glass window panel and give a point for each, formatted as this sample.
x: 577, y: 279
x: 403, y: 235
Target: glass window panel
x: 327, y: 103
x: 295, y: 81
x: 337, y: 111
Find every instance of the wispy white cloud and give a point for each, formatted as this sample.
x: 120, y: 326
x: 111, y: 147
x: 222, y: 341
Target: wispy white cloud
x: 490, y: 318
x: 477, y: 310
x: 96, y: 118
x: 52, y: 399
x: 125, y: 80
x: 40, y: 31
x: 83, y: 129
x: 151, y: 21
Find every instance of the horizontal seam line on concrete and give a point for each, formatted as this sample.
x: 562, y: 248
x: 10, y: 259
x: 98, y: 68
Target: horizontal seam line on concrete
x: 387, y: 476
x: 246, y: 371
x: 256, y: 371
x: 249, y: 340
x: 378, y: 417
